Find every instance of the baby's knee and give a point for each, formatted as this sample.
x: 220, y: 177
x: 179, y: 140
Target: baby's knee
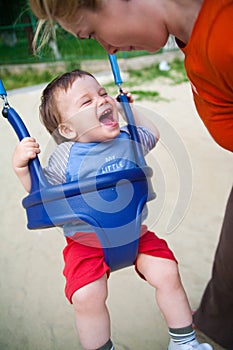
x: 170, y: 273
x: 169, y: 279
x: 159, y: 271
x: 91, y: 294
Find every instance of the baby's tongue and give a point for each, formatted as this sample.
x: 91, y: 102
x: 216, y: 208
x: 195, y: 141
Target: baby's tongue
x: 107, y: 119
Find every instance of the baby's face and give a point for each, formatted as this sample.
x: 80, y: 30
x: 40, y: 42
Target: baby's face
x: 88, y: 114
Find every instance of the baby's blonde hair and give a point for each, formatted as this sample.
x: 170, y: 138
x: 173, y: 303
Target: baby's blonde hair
x: 47, y: 11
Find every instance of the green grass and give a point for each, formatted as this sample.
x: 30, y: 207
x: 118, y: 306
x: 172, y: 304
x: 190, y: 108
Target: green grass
x: 30, y: 76
x: 73, y: 52
x: 176, y: 75
x: 69, y: 47
x: 145, y: 94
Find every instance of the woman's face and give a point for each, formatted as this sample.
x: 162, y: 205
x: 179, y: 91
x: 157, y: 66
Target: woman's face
x: 120, y: 25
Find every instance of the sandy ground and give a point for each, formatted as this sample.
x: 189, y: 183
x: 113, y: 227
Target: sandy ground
x: 34, y: 312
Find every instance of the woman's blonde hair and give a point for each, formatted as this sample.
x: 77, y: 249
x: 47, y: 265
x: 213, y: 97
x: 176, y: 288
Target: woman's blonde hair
x: 47, y: 11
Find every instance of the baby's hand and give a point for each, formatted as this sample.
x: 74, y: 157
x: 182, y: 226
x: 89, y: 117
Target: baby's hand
x: 27, y: 149
x: 130, y: 100
x: 128, y: 94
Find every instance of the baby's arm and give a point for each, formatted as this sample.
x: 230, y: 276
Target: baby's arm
x: 27, y: 149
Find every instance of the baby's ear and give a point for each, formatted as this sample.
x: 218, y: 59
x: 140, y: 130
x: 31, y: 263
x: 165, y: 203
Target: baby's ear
x: 66, y: 131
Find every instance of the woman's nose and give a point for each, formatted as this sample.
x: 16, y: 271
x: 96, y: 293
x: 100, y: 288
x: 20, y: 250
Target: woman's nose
x: 110, y: 49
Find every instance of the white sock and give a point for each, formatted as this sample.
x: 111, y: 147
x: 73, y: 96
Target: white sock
x: 182, y: 335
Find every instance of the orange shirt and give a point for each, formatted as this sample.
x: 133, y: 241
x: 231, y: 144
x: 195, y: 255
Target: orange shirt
x: 209, y: 66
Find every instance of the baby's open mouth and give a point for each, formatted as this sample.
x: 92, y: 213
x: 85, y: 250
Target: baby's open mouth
x: 107, y: 118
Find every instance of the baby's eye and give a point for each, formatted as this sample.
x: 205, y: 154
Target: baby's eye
x: 103, y: 92
x: 85, y: 102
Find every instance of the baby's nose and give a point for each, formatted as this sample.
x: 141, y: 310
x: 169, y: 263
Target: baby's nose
x: 101, y: 100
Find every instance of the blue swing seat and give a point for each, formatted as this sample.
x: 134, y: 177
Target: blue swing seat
x: 118, y: 230
x: 111, y: 203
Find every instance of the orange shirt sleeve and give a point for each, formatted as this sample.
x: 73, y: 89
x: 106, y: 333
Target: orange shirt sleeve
x: 209, y: 66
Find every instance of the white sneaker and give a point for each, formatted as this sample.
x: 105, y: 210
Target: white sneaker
x: 193, y: 345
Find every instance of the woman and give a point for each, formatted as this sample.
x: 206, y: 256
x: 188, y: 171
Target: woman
x: 203, y: 31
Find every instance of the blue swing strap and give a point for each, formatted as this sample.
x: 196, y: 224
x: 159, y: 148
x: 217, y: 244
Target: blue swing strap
x: 128, y: 112
x: 21, y: 131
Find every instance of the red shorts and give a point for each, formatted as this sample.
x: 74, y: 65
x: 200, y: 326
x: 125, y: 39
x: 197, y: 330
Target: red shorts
x: 85, y: 263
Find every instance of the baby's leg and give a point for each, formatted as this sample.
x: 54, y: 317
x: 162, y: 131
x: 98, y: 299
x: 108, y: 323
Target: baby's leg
x: 91, y: 313
x: 164, y: 276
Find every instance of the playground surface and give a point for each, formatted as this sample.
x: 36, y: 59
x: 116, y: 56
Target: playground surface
x: 34, y: 312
